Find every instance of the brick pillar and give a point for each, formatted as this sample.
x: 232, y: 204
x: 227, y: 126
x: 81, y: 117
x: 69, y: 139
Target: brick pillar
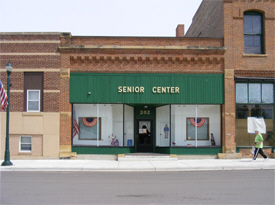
x: 65, y: 107
x: 229, y: 112
x: 65, y: 111
x: 229, y: 144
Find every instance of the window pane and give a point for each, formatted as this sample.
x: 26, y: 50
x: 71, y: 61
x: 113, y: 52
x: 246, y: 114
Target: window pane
x: 202, y: 129
x: 128, y: 126
x: 26, y: 140
x: 212, y: 125
x: 163, y: 126
x: 33, y: 95
x: 108, y: 131
x: 252, y: 24
x: 179, y: 114
x: 267, y: 111
x: 256, y: 111
x: 248, y: 24
x: 241, y: 93
x: 255, y: 93
x: 241, y: 112
x: 267, y: 93
x: 33, y: 106
x: 89, y: 129
x: 252, y: 44
x: 26, y: 147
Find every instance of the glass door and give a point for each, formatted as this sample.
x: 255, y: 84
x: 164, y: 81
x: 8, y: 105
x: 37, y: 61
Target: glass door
x: 145, y: 135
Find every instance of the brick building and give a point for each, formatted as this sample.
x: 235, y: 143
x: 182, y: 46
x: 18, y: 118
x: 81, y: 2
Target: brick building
x: 146, y: 94
x: 34, y: 125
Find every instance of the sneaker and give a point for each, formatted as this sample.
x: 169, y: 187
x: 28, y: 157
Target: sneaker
x: 265, y: 159
x: 253, y: 160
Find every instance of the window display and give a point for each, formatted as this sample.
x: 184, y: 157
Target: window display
x: 199, y: 128
x: 89, y: 128
x: 192, y: 125
x: 99, y: 124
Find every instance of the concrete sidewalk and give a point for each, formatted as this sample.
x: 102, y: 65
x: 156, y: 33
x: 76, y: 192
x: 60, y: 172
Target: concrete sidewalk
x: 134, y: 166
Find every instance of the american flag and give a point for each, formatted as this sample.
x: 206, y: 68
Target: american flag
x: 75, y: 126
x: 3, y: 97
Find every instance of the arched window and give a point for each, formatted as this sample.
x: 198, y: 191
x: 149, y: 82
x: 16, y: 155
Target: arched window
x: 253, y: 33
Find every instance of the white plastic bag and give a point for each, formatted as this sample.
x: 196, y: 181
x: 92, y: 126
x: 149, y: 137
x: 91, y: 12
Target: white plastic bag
x: 252, y: 150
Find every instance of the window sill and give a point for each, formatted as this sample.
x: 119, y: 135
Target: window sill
x: 32, y: 113
x: 255, y: 55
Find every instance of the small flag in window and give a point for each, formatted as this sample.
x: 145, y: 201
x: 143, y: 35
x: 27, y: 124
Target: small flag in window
x: 75, y: 126
x: 3, y: 97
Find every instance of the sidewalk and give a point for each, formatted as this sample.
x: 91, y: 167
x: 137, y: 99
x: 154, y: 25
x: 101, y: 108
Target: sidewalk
x: 134, y: 166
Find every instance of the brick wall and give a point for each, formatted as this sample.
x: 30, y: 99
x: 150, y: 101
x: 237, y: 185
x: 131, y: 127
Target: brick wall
x: 245, y: 65
x: 31, y: 52
x: 224, y: 18
x: 133, y: 55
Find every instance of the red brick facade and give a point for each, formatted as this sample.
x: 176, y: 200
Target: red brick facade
x: 214, y: 44
x: 237, y: 64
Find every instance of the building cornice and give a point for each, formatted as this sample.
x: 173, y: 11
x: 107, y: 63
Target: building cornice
x: 145, y: 59
x: 70, y: 47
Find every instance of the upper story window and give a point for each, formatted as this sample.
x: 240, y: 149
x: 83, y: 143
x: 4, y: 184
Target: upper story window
x: 33, y: 92
x: 33, y: 100
x: 253, y: 33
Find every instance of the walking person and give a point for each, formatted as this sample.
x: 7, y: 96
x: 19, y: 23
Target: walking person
x: 258, y: 146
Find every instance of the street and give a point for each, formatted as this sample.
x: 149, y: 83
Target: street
x: 205, y: 187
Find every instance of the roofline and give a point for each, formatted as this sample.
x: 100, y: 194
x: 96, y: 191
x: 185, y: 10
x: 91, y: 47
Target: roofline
x: 29, y: 33
x: 172, y: 37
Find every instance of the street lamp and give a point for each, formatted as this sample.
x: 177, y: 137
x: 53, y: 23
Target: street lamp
x: 7, y: 161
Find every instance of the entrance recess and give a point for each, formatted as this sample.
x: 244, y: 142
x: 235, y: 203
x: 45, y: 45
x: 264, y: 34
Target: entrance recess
x: 145, y: 135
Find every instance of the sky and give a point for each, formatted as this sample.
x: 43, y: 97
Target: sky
x: 98, y: 17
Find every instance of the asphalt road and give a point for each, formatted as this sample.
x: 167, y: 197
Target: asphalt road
x: 206, y: 187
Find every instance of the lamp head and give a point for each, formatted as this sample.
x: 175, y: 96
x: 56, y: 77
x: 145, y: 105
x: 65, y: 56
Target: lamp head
x: 9, y: 67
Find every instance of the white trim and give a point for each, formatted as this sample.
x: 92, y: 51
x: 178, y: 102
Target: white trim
x: 20, y: 137
x: 33, y: 100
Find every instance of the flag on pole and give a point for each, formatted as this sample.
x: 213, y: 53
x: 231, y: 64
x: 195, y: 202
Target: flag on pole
x: 75, y: 126
x: 3, y: 97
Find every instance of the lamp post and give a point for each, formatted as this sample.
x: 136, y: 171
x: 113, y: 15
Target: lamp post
x: 7, y: 161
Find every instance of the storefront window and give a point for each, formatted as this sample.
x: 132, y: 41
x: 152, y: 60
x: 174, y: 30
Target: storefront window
x: 99, y: 124
x: 259, y: 111
x: 163, y: 126
x: 260, y: 104
x: 195, y: 125
x: 209, y: 133
x: 128, y: 126
x: 179, y: 115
